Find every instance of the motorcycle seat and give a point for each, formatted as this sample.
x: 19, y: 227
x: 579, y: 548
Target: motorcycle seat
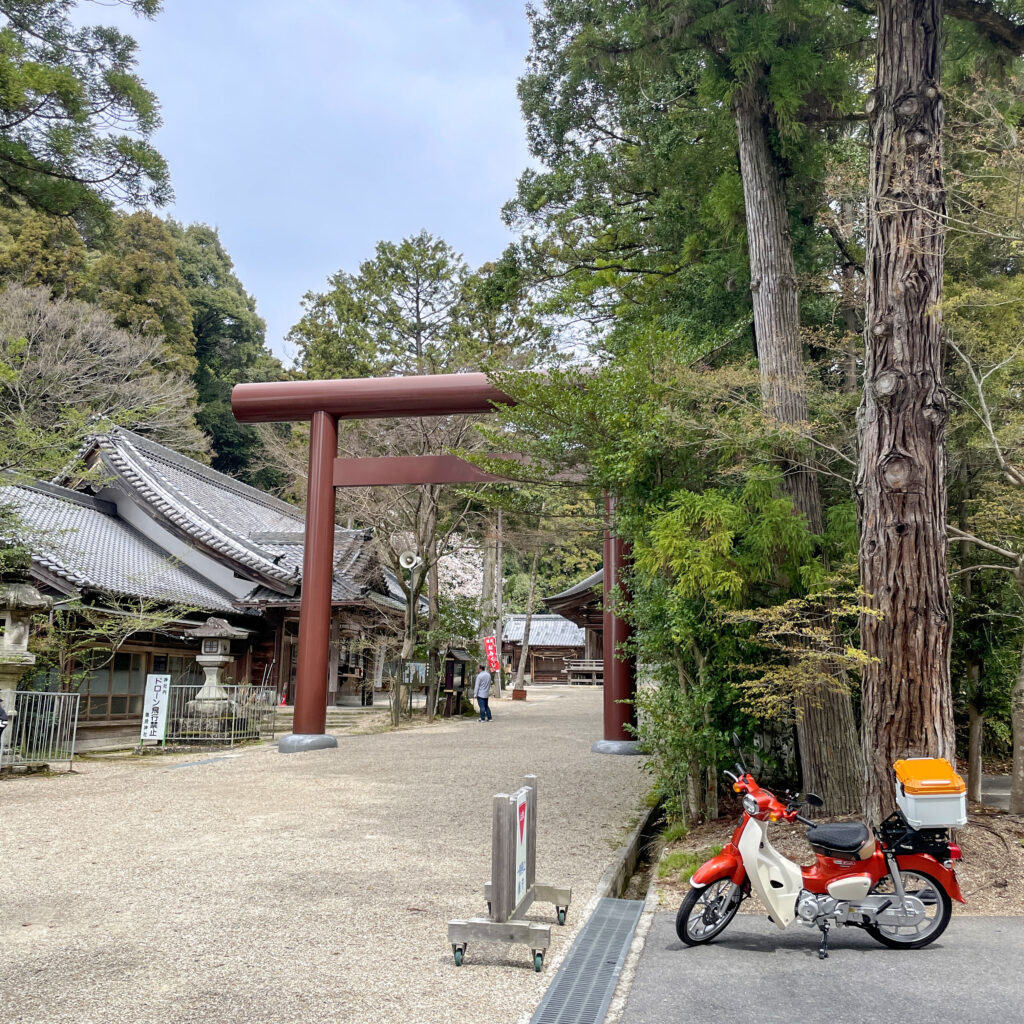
x: 843, y: 836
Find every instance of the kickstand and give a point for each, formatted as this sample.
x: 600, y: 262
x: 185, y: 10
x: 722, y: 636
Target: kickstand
x: 823, y: 948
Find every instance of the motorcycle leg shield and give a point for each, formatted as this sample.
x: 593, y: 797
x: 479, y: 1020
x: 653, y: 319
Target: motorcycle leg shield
x: 727, y: 864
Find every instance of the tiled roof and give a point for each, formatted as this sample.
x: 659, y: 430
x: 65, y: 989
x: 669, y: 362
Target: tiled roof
x: 216, y: 510
x: 583, y: 587
x: 261, y: 535
x: 355, y: 568
x: 545, y: 631
x: 82, y: 541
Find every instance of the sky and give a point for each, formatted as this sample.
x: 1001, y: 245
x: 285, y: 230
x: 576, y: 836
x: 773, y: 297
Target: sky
x: 307, y: 131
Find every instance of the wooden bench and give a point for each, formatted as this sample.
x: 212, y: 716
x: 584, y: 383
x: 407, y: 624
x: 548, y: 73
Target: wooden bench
x: 585, y: 671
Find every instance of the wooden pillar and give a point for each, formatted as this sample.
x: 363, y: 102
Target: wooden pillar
x: 317, y: 576
x: 619, y: 671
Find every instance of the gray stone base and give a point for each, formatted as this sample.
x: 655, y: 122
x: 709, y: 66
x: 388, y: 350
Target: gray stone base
x: 616, y: 747
x: 296, y: 743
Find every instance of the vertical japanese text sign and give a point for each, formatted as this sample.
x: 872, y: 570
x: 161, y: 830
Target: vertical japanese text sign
x: 154, y: 707
x: 491, y: 649
x: 521, y: 825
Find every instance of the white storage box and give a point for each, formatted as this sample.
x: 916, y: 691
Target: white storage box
x: 930, y: 793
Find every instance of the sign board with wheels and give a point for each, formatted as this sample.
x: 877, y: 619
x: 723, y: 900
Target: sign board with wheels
x: 513, y: 887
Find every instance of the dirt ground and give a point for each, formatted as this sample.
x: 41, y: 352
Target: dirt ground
x: 991, y: 873
x: 250, y: 887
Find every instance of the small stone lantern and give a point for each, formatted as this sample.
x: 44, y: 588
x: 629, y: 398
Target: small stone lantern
x: 214, y: 637
x: 18, y: 603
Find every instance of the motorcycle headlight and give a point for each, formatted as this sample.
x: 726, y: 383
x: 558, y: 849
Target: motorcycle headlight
x: 750, y: 805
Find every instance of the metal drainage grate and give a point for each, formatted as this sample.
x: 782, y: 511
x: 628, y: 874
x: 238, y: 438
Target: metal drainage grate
x: 583, y: 986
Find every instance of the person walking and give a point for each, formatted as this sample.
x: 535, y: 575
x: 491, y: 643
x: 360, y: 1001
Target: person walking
x: 482, y: 692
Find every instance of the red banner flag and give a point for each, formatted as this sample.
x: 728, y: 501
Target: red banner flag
x: 491, y: 648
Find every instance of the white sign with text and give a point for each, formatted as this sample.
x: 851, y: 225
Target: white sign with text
x: 154, y: 707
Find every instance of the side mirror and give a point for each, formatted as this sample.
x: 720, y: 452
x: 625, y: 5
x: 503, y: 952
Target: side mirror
x: 736, y: 741
x: 814, y: 800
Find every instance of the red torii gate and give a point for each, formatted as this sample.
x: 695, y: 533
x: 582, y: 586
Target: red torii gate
x: 323, y: 403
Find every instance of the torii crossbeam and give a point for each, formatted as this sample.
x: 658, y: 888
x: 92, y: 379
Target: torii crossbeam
x: 323, y: 403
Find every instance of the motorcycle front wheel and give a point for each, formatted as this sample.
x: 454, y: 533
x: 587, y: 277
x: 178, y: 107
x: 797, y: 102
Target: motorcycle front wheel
x: 937, y: 905
x: 705, y: 912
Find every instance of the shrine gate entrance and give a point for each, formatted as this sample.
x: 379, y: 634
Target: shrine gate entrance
x: 323, y: 403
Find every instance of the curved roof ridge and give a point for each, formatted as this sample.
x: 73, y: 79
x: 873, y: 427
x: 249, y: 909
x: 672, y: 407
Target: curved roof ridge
x: 169, y: 500
x: 222, y: 480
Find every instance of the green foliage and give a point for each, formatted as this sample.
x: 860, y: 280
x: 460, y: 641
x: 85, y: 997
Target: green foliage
x: 674, y: 833
x: 230, y: 348
x: 682, y: 863
x: 402, y: 313
x: 138, y: 279
x: 75, y: 118
x: 45, y: 251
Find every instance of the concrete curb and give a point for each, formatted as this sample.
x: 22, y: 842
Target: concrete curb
x: 623, y: 864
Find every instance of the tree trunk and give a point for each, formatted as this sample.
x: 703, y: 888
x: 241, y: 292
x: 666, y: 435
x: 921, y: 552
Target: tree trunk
x: 1017, y: 717
x: 433, y: 622
x: 907, y: 705
x: 976, y: 729
x: 826, y: 728
x: 499, y: 598
x: 526, y: 625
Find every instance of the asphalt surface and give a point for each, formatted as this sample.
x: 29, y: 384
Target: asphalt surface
x: 972, y: 974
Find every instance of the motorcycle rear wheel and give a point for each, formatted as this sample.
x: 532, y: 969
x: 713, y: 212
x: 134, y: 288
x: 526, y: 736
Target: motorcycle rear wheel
x: 703, y: 915
x: 938, y: 906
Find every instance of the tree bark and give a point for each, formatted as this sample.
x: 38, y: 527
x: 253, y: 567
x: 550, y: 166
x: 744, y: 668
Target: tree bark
x: 826, y: 728
x: 433, y: 622
x: 1017, y: 718
x: 976, y: 729
x: 907, y: 706
x: 526, y: 625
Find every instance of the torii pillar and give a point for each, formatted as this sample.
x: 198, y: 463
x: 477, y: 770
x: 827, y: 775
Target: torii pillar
x: 323, y: 403
x: 619, y: 664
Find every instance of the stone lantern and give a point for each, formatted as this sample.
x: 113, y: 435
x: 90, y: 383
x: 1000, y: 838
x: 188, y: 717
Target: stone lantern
x: 214, y: 637
x: 18, y: 603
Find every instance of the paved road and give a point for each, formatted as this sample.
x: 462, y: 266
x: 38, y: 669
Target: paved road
x: 264, y: 888
x: 755, y: 974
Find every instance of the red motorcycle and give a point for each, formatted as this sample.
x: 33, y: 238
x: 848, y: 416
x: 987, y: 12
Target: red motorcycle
x: 897, y: 884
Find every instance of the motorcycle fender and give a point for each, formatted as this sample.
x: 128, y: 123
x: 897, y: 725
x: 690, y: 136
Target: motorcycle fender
x: 727, y: 864
x: 941, y: 874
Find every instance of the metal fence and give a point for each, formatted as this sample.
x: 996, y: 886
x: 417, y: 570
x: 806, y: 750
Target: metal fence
x: 41, y: 731
x: 242, y: 713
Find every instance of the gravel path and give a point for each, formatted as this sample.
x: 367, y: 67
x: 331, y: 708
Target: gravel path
x: 309, y: 887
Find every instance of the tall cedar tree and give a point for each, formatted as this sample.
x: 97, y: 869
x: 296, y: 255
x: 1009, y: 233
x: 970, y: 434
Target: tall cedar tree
x: 75, y: 118
x: 901, y: 482
x: 775, y: 66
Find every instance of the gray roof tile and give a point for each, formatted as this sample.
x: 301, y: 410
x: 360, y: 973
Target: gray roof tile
x: 545, y: 631
x: 78, y: 539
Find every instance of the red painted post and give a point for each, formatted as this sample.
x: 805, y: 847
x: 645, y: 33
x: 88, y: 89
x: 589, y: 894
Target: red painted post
x: 317, y: 577
x: 619, y: 673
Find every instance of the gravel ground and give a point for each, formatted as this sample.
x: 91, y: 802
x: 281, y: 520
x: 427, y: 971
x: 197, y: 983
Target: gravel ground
x: 309, y: 887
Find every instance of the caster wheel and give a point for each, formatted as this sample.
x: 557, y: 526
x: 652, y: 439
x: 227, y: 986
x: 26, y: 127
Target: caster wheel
x: 458, y: 958
x: 562, y: 911
x: 538, y: 961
